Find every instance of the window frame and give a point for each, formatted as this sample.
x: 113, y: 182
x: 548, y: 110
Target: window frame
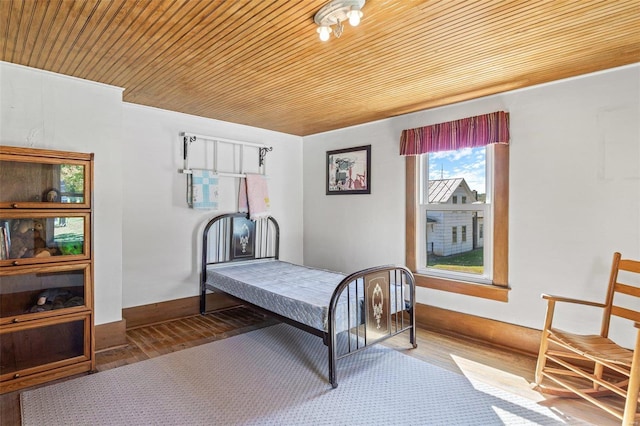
x: 499, y: 288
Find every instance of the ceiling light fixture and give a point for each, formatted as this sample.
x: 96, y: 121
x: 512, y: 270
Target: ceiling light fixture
x: 335, y: 13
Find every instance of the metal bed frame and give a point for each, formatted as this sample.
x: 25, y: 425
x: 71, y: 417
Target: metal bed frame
x: 234, y: 238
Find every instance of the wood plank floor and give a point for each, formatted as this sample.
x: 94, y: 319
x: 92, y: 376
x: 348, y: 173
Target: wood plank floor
x: 477, y: 361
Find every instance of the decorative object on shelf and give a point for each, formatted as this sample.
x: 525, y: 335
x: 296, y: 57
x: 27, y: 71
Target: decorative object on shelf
x: 71, y: 247
x: 5, y: 239
x: 51, y: 196
x: 28, y: 240
x: 334, y: 13
x: 349, y: 171
x: 56, y: 298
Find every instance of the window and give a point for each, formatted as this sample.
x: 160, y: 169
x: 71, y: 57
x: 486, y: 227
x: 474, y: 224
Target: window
x: 464, y: 200
x: 490, y: 208
x: 489, y: 132
x: 455, y: 199
x: 454, y: 234
x: 464, y: 234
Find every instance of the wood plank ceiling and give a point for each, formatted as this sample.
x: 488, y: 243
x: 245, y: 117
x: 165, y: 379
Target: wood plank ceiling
x: 260, y: 63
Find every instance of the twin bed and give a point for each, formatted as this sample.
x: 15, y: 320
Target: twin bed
x: 240, y: 258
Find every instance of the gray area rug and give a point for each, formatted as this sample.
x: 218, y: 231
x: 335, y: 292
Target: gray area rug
x: 277, y: 376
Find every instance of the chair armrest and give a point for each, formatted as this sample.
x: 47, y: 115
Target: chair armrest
x: 570, y: 300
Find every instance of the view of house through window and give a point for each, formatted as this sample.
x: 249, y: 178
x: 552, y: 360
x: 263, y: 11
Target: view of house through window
x: 455, y: 212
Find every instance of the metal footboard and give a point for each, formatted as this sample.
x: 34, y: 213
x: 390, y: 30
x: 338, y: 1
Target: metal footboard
x: 380, y: 304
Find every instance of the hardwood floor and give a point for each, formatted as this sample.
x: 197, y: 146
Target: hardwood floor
x: 477, y: 361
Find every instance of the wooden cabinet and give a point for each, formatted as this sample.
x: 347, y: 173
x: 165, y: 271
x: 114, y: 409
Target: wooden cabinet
x: 46, y: 266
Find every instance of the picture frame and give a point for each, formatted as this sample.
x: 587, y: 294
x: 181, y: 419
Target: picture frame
x: 242, y: 243
x: 349, y: 171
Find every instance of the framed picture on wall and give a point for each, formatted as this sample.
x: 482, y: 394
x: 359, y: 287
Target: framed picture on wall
x: 349, y: 171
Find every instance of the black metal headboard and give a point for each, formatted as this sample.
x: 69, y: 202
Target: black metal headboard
x: 234, y: 237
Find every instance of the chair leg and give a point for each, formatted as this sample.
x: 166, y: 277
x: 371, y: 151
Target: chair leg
x: 542, y: 358
x: 598, y: 369
x: 633, y: 389
x: 544, y: 342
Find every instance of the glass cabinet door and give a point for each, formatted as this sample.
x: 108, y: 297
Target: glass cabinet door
x: 44, y: 182
x: 30, y: 293
x: 47, y: 237
x: 30, y: 350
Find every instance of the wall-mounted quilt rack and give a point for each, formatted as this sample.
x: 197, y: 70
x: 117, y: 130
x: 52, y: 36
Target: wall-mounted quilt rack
x: 236, y: 169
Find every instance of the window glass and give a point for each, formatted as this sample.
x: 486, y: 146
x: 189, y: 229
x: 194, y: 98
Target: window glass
x: 454, y: 202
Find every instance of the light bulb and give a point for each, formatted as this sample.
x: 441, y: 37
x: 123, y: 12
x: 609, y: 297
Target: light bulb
x: 354, y: 16
x: 324, y: 32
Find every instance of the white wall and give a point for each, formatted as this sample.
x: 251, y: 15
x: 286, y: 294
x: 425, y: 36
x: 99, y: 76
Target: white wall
x: 161, y: 234
x: 46, y: 110
x: 350, y: 232
x: 574, y: 193
x: 146, y: 239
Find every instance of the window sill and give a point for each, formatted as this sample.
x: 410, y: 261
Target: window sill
x: 485, y: 291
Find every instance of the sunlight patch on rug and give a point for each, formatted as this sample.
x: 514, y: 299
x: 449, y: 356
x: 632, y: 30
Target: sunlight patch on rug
x: 476, y: 372
x: 278, y: 375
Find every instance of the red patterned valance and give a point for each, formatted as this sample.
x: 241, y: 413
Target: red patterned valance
x: 464, y: 133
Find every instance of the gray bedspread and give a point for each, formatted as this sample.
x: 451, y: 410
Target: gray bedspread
x: 297, y: 292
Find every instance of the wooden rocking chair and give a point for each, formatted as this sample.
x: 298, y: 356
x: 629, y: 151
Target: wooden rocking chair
x: 593, y: 366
